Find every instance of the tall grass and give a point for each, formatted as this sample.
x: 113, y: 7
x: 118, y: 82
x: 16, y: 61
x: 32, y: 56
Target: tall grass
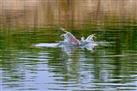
x: 67, y: 13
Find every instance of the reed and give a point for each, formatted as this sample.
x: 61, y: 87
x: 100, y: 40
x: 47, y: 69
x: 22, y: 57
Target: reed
x: 66, y: 13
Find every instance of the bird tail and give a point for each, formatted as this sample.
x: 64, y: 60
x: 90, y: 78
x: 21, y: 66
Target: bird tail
x: 90, y: 37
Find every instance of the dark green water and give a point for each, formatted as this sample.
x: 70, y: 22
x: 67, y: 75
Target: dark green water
x: 109, y: 67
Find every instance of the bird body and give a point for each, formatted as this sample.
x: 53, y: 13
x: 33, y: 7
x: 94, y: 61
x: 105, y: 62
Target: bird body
x: 71, y: 39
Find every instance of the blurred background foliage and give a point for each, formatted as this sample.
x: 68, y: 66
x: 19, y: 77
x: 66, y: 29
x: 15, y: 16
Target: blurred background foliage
x: 67, y: 13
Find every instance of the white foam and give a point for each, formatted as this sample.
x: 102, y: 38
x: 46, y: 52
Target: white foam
x: 53, y: 45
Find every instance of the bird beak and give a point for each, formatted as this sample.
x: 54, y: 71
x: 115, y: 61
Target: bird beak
x: 62, y: 35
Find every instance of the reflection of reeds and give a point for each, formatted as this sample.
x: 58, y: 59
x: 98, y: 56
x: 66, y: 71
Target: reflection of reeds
x: 68, y: 13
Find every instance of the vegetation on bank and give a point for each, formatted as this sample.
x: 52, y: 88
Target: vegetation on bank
x: 67, y: 13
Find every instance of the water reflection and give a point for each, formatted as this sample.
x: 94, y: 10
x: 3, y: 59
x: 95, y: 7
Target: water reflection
x: 27, y: 68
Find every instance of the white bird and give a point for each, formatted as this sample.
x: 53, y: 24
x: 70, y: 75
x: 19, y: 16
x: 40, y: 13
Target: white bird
x: 88, y: 40
x: 88, y: 43
x: 69, y: 38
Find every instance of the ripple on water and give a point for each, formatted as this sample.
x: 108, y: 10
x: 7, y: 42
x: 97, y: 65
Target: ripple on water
x: 111, y: 66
